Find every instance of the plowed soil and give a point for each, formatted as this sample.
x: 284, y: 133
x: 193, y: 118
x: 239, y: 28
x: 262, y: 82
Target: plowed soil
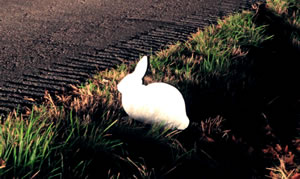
x: 48, y: 44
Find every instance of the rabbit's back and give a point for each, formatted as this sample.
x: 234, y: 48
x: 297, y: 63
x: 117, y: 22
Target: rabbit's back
x: 169, y: 104
x: 165, y: 97
x: 157, y: 102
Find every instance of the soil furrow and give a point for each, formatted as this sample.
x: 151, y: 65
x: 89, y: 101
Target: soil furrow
x: 63, y: 66
x: 72, y: 48
x: 89, y: 62
x: 25, y: 92
x: 37, y: 85
x: 63, y: 74
x: 50, y: 79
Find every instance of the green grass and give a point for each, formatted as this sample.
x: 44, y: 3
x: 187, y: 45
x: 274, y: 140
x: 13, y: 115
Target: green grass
x: 25, y: 144
x: 209, y: 52
x: 38, y: 146
x: 230, y: 75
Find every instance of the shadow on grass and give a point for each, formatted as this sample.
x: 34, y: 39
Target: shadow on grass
x: 260, y: 101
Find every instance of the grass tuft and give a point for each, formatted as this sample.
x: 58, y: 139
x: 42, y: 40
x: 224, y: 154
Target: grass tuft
x: 25, y: 144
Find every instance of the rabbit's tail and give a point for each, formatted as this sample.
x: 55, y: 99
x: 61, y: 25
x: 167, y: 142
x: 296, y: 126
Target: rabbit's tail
x: 184, y: 124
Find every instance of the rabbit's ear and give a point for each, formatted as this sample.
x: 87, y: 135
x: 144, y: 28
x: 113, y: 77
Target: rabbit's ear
x: 141, y: 68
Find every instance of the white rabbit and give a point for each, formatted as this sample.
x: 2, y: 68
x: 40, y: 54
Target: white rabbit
x: 154, y: 103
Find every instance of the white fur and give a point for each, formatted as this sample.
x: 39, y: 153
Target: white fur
x: 154, y: 103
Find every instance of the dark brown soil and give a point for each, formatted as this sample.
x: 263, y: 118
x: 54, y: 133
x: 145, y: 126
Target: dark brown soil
x: 37, y: 34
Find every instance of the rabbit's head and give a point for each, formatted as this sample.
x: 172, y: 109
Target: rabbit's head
x: 135, y: 79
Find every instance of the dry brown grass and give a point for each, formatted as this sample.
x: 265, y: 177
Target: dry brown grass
x: 211, y: 127
x: 98, y: 98
x: 285, y: 167
x: 280, y: 6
